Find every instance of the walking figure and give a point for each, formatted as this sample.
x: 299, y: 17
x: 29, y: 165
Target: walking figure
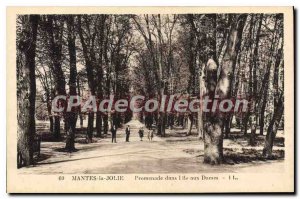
x: 150, y: 135
x: 127, y: 131
x: 141, y: 133
x: 113, y: 134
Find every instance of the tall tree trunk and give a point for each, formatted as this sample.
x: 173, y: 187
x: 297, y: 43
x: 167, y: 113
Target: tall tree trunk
x: 90, y: 128
x: 54, y: 29
x: 105, y: 124
x: 272, y: 129
x: 51, y: 123
x: 90, y: 62
x: 213, y: 135
x: 49, y: 107
x: 79, y: 111
x: 245, y: 122
x: 201, y: 92
x: 72, y: 115
x: 253, y: 124
x: 265, y: 82
x: 100, y: 72
x: 26, y: 91
x: 213, y: 140
x: 196, y: 34
x: 191, y: 123
x: 278, y: 107
x: 99, y: 124
x: 162, y: 82
x: 253, y: 85
x: 228, y: 123
x: 249, y: 47
x: 56, y: 127
x: 232, y: 89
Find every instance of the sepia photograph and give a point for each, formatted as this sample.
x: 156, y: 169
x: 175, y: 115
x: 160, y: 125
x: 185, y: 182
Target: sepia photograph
x: 151, y: 96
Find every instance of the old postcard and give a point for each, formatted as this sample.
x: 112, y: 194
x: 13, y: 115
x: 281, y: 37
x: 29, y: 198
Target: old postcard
x: 150, y: 99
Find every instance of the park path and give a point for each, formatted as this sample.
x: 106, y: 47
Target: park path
x: 168, y: 155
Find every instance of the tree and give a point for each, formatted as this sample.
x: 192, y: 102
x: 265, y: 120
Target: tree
x: 45, y: 77
x: 213, y: 135
x: 253, y: 81
x: 53, y: 25
x: 193, y: 50
x: 157, y: 32
x: 99, y: 70
x: 116, y: 52
x: 26, y: 87
x: 87, y: 37
x: 278, y: 104
x: 204, y: 29
x: 248, y: 52
x: 273, y: 126
x: 71, y: 116
x: 265, y: 82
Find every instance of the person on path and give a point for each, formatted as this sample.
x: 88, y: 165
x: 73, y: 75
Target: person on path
x: 150, y: 135
x: 113, y: 134
x: 141, y: 133
x: 127, y: 131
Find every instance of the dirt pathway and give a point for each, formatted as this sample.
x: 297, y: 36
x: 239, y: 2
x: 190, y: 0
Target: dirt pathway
x: 168, y: 155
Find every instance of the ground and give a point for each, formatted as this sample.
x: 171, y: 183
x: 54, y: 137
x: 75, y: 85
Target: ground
x: 176, y: 153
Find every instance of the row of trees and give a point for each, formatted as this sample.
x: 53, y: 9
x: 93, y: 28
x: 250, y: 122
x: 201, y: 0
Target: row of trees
x: 224, y: 55
x: 71, y: 55
x: 229, y: 55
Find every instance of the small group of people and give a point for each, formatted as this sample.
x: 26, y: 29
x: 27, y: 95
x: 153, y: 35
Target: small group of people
x: 114, y: 134
x: 127, y: 132
x: 150, y: 134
